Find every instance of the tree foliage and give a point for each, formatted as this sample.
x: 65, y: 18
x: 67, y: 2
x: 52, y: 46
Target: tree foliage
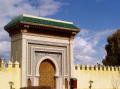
x: 113, y: 50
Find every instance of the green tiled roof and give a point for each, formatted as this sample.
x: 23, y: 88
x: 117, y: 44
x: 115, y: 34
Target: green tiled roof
x: 42, y: 21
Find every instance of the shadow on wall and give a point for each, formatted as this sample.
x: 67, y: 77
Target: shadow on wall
x: 37, y: 87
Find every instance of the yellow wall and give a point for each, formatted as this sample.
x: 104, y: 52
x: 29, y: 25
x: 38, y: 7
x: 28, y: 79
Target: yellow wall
x: 102, y: 78
x: 8, y: 74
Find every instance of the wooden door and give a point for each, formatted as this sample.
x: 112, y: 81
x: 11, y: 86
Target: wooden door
x: 29, y: 83
x: 47, y: 74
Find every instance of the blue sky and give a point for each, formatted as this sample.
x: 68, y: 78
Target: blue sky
x: 97, y: 19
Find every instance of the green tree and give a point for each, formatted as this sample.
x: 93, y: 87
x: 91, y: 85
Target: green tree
x: 113, y: 50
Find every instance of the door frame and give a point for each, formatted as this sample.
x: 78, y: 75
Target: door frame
x: 57, y: 76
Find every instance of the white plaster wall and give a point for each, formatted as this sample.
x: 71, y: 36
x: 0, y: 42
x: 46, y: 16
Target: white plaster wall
x: 46, y: 38
x: 16, y: 48
x: 20, y: 50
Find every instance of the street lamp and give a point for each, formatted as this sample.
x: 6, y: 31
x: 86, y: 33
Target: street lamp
x: 11, y: 84
x: 90, y: 82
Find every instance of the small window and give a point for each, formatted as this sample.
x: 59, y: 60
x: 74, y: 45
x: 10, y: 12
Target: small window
x: 90, y: 68
x: 80, y: 67
x: 85, y: 67
x: 118, y: 69
x: 66, y: 83
x: 102, y: 68
x: 114, y: 68
x: 98, y: 67
x: 110, y: 68
x: 106, y: 68
x: 75, y: 67
x: 29, y: 83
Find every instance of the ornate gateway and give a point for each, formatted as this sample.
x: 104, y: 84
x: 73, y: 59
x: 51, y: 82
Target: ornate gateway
x: 43, y: 47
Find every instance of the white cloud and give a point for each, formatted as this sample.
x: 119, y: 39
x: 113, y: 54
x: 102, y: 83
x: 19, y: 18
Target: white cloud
x: 4, y: 44
x: 89, y: 46
x: 82, y: 46
x: 84, y: 43
x: 5, y: 49
x: 49, y: 7
x: 4, y: 36
x: 12, y: 8
x: 84, y: 59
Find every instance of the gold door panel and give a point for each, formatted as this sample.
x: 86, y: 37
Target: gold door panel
x: 47, y: 74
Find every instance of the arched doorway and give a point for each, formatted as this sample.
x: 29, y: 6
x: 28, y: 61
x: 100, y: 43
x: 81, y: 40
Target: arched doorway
x: 47, y: 74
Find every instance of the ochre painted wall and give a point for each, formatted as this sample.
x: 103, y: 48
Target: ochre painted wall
x: 102, y: 77
x: 9, y: 73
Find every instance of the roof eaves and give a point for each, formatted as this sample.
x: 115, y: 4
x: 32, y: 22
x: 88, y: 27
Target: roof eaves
x: 56, y: 27
x: 39, y: 21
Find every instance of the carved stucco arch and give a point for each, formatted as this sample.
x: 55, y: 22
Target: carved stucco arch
x: 52, y: 60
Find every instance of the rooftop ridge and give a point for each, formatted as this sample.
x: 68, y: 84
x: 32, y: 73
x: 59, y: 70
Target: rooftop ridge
x: 26, y: 15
